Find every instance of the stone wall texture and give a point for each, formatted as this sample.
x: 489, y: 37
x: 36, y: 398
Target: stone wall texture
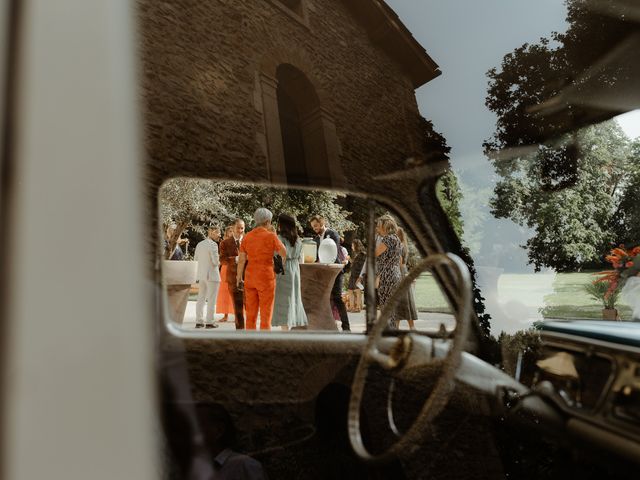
x: 202, y: 61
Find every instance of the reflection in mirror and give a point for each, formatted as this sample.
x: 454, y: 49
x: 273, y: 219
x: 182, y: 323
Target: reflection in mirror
x: 252, y: 257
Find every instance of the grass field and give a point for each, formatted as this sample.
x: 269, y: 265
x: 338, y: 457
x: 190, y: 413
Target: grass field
x: 552, y: 295
x: 569, y: 300
x: 563, y: 298
x: 428, y: 296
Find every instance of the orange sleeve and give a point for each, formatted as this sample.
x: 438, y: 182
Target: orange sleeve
x: 243, y: 245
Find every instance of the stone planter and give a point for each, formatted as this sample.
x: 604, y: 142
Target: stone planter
x: 316, y: 282
x: 177, y: 277
x: 610, y: 314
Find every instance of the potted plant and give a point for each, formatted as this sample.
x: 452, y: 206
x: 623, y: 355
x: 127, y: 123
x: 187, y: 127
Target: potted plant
x: 599, y: 290
x: 624, y: 278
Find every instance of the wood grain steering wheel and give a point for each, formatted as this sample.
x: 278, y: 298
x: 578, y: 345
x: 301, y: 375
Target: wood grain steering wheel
x: 411, y: 351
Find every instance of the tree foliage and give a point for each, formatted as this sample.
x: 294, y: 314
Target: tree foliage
x: 196, y: 203
x: 537, y: 73
x: 574, y: 225
x: 573, y: 186
x: 302, y: 204
x: 189, y: 202
x: 626, y: 220
x: 450, y: 196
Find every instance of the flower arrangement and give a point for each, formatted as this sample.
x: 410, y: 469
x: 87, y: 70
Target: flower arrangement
x: 625, y: 263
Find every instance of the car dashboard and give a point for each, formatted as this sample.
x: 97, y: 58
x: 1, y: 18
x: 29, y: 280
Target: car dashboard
x: 591, y: 371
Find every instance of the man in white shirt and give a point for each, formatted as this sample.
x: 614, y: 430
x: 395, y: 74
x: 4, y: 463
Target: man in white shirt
x: 208, y: 277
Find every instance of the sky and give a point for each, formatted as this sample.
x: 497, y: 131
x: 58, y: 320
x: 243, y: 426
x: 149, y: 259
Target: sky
x: 466, y: 38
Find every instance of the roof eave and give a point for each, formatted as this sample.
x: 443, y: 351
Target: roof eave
x: 388, y: 32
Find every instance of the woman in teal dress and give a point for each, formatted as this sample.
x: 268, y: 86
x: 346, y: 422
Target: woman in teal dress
x: 288, y: 311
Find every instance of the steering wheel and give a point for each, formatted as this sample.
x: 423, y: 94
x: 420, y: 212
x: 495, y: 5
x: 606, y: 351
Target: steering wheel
x: 412, y: 351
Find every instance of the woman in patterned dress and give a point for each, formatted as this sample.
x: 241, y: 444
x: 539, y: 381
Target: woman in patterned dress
x: 388, y: 256
x: 225, y: 302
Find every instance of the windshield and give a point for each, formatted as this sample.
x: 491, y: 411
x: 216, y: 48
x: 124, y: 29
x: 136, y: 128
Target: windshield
x: 537, y: 101
x: 307, y: 155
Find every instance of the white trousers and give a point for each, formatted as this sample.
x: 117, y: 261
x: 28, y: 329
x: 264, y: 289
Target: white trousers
x: 207, y: 291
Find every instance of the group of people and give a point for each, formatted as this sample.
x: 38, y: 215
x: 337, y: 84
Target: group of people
x: 240, y: 272
x: 237, y: 275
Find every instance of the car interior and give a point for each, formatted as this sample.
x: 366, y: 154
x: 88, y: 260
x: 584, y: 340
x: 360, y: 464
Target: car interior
x: 123, y: 118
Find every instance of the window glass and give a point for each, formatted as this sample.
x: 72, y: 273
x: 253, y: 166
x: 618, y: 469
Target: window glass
x: 222, y: 245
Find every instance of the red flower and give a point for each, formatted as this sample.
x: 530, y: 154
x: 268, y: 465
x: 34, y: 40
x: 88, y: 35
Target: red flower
x: 620, y: 259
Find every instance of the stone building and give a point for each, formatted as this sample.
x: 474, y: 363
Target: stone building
x: 282, y: 91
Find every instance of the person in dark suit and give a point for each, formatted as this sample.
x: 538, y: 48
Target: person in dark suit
x: 319, y: 226
x: 229, y: 251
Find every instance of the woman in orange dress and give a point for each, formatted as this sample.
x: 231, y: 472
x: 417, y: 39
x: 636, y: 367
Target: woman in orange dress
x: 225, y: 302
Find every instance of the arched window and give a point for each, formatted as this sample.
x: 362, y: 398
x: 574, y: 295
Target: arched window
x: 301, y: 135
x: 300, y: 126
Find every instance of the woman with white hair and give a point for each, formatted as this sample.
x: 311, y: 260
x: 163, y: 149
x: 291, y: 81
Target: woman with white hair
x: 256, y: 253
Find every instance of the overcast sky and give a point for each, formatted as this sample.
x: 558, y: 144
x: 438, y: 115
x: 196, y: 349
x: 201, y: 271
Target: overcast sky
x: 466, y: 38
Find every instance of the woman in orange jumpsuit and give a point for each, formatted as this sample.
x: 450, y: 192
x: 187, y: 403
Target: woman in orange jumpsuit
x: 256, y: 253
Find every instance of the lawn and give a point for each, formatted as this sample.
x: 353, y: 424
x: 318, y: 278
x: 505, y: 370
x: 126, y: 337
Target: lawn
x: 428, y: 296
x: 556, y: 296
x: 564, y: 298
x: 569, y: 300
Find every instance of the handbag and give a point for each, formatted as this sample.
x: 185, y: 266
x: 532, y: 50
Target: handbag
x: 278, y: 267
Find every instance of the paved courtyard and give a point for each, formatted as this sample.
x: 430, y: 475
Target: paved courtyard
x: 427, y: 321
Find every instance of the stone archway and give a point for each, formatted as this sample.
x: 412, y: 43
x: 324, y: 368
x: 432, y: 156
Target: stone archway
x: 301, y: 127
x: 301, y: 139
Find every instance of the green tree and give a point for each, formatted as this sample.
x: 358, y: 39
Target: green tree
x: 626, y: 219
x: 450, y: 196
x: 303, y: 204
x: 448, y: 191
x: 574, y: 225
x: 529, y: 93
x: 571, y: 185
x: 187, y: 202
x: 194, y: 203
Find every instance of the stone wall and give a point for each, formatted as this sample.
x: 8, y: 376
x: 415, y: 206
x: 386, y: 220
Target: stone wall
x: 202, y: 61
